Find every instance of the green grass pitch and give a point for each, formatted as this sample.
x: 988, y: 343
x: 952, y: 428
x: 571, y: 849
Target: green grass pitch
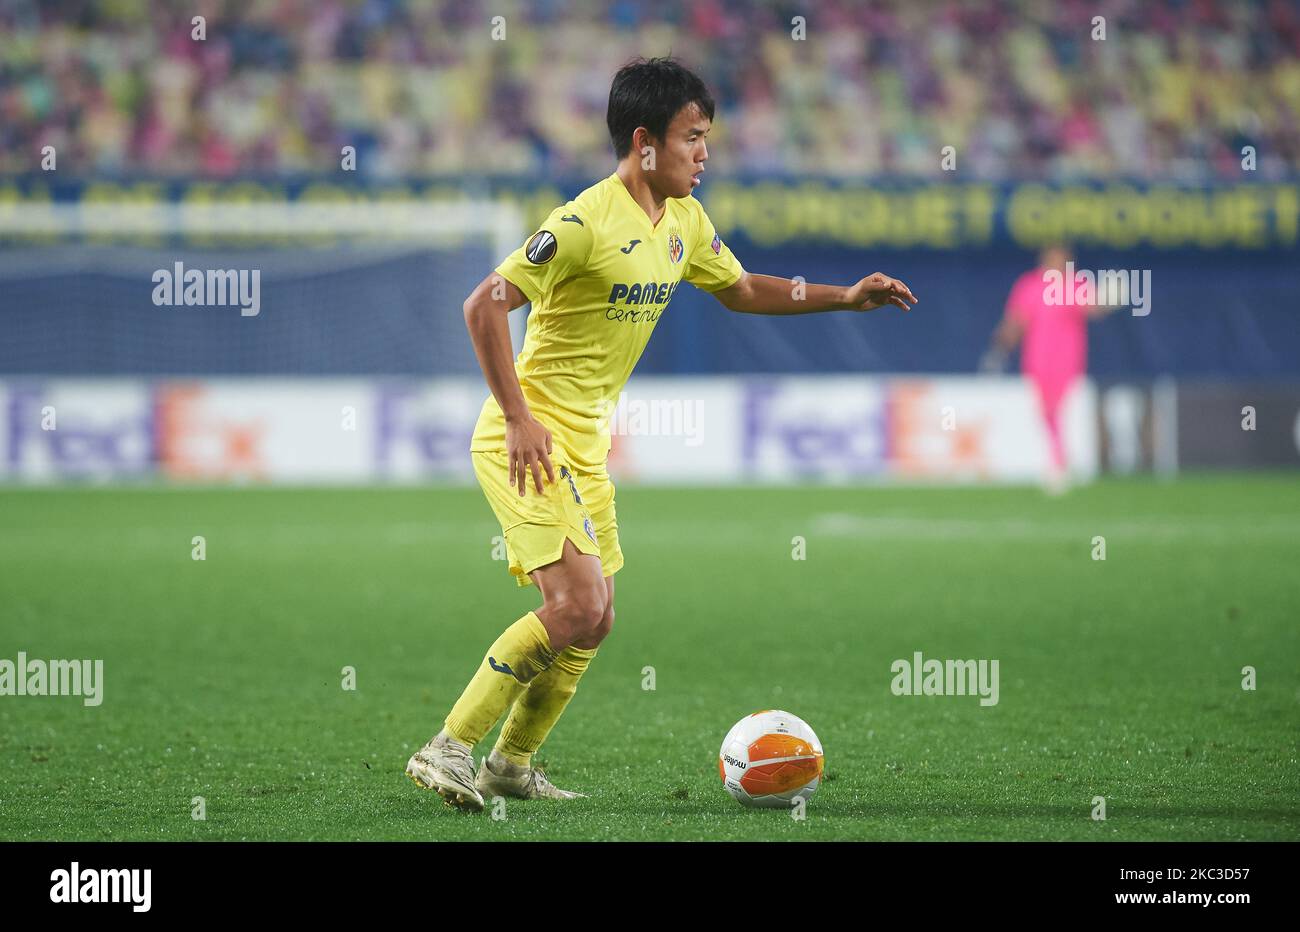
x: 1120, y: 678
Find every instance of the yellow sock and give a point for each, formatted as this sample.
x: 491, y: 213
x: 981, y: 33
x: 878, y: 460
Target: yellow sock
x: 513, y: 661
x: 538, y: 709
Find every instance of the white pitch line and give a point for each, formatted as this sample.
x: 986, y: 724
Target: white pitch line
x: 848, y: 524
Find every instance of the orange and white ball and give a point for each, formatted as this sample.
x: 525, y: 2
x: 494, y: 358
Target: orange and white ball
x: 770, y: 759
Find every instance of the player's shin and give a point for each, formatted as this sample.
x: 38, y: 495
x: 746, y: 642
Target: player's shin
x: 539, y: 708
x: 515, y: 659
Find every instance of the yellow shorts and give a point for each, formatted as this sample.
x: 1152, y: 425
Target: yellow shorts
x: 577, y: 507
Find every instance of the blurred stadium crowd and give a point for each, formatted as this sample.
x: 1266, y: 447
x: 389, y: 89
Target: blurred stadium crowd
x: 1021, y: 89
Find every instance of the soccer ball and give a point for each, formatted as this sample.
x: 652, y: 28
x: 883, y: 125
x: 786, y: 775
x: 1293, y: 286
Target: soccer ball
x: 770, y: 759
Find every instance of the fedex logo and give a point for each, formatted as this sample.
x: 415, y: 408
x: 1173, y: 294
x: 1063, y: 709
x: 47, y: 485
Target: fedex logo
x: 208, y: 433
x: 78, y: 429
x: 835, y: 428
x: 412, y: 439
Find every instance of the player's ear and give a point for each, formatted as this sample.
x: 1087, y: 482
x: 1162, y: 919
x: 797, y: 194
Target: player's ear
x: 645, y: 146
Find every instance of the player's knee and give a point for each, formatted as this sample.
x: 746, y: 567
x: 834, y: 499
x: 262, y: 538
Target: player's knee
x: 606, y: 623
x: 581, y: 610
x: 591, y: 639
x: 594, y: 606
x: 598, y: 632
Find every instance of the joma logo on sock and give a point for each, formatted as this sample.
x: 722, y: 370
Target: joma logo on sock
x: 501, y: 667
x: 945, y: 678
x: 76, y: 885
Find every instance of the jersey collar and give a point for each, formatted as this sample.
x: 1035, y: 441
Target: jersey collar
x: 637, y: 208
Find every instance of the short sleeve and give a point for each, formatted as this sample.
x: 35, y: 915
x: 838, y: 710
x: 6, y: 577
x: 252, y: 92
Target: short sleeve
x: 711, y: 266
x: 556, y: 252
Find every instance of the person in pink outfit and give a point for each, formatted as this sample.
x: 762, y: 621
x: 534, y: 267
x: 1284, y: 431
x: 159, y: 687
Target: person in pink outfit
x: 1054, y: 351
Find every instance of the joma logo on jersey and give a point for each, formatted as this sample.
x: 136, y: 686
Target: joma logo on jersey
x: 649, y: 293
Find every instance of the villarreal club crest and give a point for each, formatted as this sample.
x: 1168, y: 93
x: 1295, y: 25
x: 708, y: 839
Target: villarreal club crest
x: 675, y: 247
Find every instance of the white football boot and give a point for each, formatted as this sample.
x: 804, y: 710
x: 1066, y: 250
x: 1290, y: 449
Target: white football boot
x: 446, y: 765
x: 499, y: 777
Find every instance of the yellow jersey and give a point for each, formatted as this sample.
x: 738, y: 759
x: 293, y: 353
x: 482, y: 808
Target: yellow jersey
x: 599, y: 274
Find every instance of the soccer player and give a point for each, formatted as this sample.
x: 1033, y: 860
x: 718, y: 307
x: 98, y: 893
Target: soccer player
x: 599, y: 273
x: 1055, y: 351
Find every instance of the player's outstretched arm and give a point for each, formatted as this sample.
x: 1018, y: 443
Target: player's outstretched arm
x: 528, y: 442
x: 768, y: 294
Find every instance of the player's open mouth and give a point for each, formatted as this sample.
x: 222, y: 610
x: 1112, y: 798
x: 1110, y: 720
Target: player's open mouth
x: 695, y: 178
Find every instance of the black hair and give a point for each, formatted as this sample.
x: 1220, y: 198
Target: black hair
x: 649, y: 93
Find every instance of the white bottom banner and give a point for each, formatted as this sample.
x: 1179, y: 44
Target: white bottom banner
x: 663, y: 430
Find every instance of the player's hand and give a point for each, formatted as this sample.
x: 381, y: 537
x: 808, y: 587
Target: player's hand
x: 877, y: 290
x: 528, y: 445
x: 993, y: 361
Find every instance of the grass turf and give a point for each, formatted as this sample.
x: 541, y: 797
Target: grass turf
x: 1119, y: 678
